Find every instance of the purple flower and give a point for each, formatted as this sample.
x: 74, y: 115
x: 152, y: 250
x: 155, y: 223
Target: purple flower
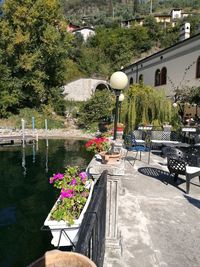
x: 83, y: 176
x: 73, y: 182
x: 69, y: 193
x: 58, y: 176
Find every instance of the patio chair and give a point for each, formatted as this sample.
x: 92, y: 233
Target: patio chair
x: 169, y: 151
x: 130, y: 144
x: 177, y: 165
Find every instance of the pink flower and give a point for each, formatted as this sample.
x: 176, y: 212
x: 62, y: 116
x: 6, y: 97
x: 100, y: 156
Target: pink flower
x: 58, y: 176
x: 69, y: 193
x: 51, y: 180
x: 83, y: 176
x: 73, y: 182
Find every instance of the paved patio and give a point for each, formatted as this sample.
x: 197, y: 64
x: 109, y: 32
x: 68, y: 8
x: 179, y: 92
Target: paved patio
x: 158, y: 224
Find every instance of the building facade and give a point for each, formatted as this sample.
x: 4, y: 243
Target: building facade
x: 176, y: 67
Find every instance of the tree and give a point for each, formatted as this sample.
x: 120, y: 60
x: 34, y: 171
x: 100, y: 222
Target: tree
x: 144, y: 104
x: 194, y: 95
x: 98, y: 107
x: 154, y: 29
x: 136, y: 6
x: 35, y: 46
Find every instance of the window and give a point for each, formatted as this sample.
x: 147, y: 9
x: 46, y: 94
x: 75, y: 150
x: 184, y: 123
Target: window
x: 157, y: 77
x: 198, y: 68
x: 164, y: 75
x: 131, y: 81
x: 141, y: 78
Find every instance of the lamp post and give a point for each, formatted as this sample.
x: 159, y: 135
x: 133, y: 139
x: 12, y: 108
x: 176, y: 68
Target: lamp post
x: 118, y: 81
x: 121, y: 98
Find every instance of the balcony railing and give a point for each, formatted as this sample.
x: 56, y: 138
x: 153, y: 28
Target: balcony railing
x: 91, y: 242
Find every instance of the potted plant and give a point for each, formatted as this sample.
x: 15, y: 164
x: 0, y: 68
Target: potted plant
x: 120, y: 127
x: 98, y: 144
x: 104, y: 148
x: 59, y: 258
x: 67, y: 213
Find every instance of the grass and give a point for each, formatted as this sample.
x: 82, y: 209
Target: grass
x: 53, y: 121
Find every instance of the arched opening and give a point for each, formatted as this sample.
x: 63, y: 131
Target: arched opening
x: 131, y: 81
x: 101, y: 87
x: 141, y: 78
x: 164, y: 75
x: 198, y: 68
x: 157, y: 77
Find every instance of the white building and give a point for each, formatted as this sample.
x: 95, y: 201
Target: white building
x: 176, y: 67
x: 86, y: 32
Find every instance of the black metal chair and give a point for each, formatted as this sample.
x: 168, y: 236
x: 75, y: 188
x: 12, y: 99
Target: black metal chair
x: 169, y: 151
x: 177, y: 164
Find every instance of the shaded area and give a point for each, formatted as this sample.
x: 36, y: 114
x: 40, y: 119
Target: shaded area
x: 162, y: 176
x: 195, y: 202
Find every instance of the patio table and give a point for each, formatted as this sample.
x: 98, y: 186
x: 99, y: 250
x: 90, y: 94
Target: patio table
x: 190, y: 131
x: 162, y: 143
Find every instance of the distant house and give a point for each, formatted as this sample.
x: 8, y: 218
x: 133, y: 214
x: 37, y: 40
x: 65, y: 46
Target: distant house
x: 167, y: 19
x: 71, y: 27
x: 86, y: 32
x: 175, y: 67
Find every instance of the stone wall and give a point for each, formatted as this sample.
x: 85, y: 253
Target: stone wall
x: 82, y: 89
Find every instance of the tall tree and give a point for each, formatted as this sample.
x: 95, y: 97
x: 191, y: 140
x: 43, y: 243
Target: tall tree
x: 35, y: 46
x: 136, y: 6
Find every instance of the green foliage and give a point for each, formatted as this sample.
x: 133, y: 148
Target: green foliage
x: 145, y: 105
x: 99, y: 106
x: 54, y: 121
x: 194, y: 95
x: 154, y: 29
x: 136, y: 6
x: 110, y: 49
x: 34, y: 44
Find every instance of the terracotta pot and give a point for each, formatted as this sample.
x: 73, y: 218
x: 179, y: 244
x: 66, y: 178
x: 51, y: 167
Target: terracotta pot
x: 56, y: 258
x: 109, y: 158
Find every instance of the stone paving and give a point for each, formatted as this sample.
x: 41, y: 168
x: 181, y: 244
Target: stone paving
x: 158, y: 224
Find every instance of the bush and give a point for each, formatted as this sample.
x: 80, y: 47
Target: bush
x: 94, y: 110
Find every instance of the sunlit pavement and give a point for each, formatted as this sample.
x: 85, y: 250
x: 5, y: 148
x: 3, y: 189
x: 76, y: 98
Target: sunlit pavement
x: 158, y: 224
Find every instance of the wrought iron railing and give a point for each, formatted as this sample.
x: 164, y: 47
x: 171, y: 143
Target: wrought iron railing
x: 91, y: 241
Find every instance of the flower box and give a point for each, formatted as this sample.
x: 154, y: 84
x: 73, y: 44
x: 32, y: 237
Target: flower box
x: 63, y: 233
x: 67, y: 213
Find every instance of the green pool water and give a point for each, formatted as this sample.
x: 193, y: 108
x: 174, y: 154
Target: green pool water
x: 26, y: 195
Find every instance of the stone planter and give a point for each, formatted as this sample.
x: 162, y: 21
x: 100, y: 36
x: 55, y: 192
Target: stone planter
x: 110, y: 158
x: 56, y: 258
x: 63, y: 233
x: 167, y: 128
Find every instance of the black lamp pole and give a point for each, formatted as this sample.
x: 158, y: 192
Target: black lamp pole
x: 117, y: 93
x: 118, y: 81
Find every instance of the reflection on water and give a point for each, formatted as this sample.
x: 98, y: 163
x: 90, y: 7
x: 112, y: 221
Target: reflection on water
x: 26, y: 196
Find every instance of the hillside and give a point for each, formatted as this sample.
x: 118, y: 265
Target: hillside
x: 98, y: 11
